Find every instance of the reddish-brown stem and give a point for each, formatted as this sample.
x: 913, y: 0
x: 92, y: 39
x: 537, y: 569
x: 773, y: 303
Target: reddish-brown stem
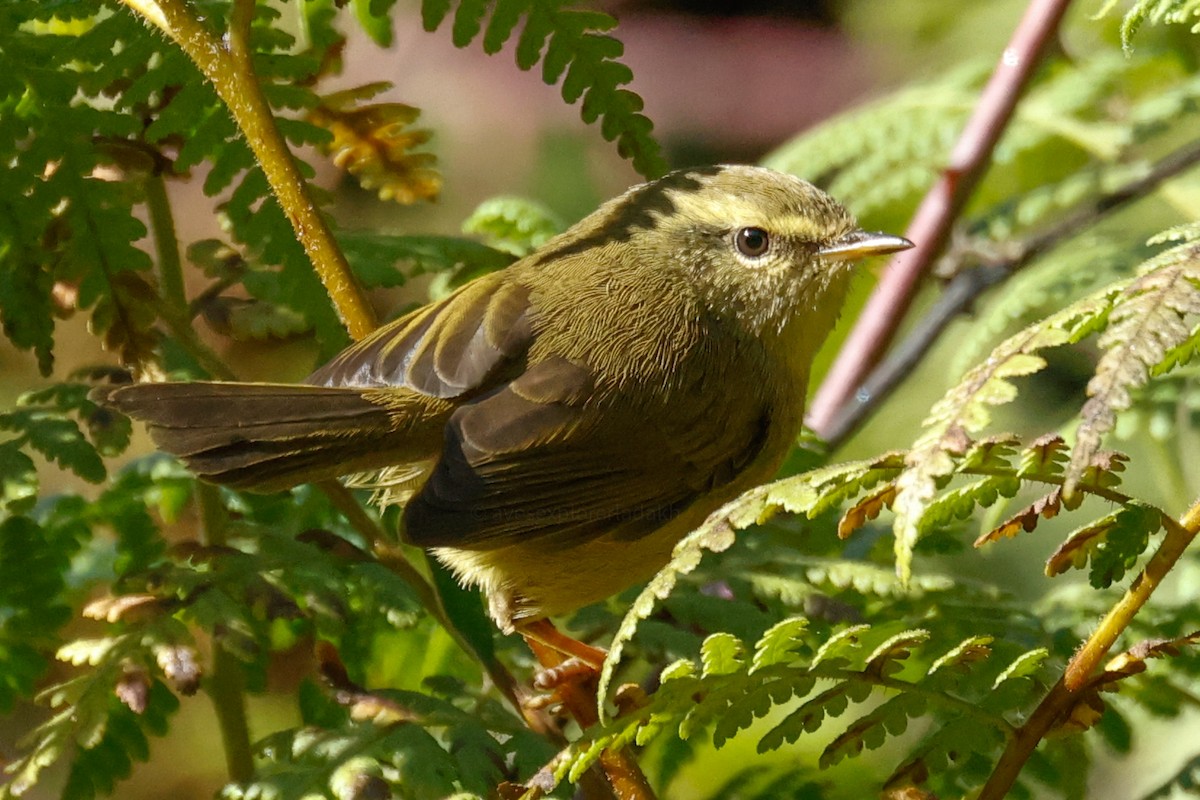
x: 930, y: 226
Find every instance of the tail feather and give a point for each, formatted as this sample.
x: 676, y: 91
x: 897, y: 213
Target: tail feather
x: 268, y: 436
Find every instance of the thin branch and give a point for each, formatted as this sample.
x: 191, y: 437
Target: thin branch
x: 1064, y: 694
x: 427, y: 596
x: 166, y: 243
x: 226, y: 685
x: 969, y: 284
x: 174, y: 310
x: 1177, y: 539
x: 930, y: 227
x: 228, y: 66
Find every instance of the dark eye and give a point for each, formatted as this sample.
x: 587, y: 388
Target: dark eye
x: 752, y: 242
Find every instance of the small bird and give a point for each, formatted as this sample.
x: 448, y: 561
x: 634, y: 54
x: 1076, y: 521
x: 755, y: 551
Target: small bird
x: 554, y: 428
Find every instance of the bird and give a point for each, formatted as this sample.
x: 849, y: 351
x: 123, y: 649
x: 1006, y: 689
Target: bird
x: 554, y: 428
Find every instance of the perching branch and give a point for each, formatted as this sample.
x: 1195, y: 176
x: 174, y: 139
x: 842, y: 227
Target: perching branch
x: 930, y: 226
x: 227, y: 64
x: 969, y: 284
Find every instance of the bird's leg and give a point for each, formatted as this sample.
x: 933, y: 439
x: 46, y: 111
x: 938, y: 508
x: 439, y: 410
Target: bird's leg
x: 544, y: 632
x: 566, y: 662
x: 577, y: 666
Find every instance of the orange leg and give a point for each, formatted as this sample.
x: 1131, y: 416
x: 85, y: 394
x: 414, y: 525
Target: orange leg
x: 543, y: 632
x: 570, y: 665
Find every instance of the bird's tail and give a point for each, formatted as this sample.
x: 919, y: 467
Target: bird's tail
x: 264, y: 436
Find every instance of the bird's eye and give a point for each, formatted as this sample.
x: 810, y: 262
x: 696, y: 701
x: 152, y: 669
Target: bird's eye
x: 752, y: 242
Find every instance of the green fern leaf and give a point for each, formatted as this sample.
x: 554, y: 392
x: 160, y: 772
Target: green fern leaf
x: 1042, y: 288
x: 961, y: 503
x: 838, y: 649
x: 812, y: 714
x: 33, y: 563
x: 963, y: 410
x: 1046, y: 457
x: 18, y: 479
x: 1179, y: 356
x: 943, y: 749
x: 871, y: 580
x: 1024, y: 666
x: 374, y: 16
x: 1112, y: 544
x: 810, y: 493
x: 963, y: 655
x: 1156, y: 12
x: 576, y: 52
x: 885, y: 660
x: 1146, y: 322
x: 885, y: 150
x: 58, y: 438
x: 722, y: 654
x: 513, y: 225
x: 870, y: 731
x: 755, y: 703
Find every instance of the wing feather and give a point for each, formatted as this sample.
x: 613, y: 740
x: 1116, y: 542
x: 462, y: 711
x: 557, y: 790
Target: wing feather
x: 540, y: 459
x: 465, y: 344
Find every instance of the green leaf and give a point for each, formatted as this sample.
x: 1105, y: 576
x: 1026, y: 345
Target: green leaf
x: 1111, y: 544
x: 58, y: 439
x: 780, y: 644
x: 576, y: 49
x: 18, y: 479
x: 513, y: 224
x: 722, y: 654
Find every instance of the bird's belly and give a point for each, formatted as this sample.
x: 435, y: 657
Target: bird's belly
x: 525, y: 582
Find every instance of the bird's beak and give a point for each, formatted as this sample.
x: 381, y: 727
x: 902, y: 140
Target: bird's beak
x: 860, y: 244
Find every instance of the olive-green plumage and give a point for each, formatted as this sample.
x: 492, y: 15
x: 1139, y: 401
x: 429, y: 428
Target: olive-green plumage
x: 560, y: 424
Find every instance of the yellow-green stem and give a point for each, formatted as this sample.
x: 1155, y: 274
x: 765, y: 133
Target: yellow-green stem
x: 175, y: 312
x: 166, y: 243
x: 226, y: 684
x: 233, y: 79
x: 1175, y: 542
x: 1064, y: 694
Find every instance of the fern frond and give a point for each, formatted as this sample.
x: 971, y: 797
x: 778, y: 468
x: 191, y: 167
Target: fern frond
x: 963, y: 410
x: 382, y: 741
x: 1111, y: 543
x: 733, y: 686
x: 1148, y: 320
x: 805, y: 576
x: 104, y: 713
x: 810, y: 494
x: 576, y: 50
x: 884, y: 150
x: 376, y: 144
x: 1157, y: 12
x: 513, y: 224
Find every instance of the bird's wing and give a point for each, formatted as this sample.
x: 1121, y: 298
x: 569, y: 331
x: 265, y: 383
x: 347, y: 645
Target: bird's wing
x: 380, y: 404
x: 465, y: 344
x: 537, y: 459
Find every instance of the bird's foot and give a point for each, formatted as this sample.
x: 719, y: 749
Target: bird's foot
x: 570, y: 678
